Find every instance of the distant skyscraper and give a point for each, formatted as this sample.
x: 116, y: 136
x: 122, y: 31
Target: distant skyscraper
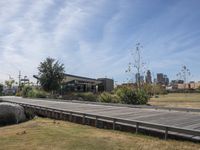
x: 166, y: 80
x: 142, y: 79
x: 148, y: 77
x: 162, y: 79
x: 139, y: 78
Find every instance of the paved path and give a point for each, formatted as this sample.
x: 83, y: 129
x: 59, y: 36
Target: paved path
x: 176, y: 119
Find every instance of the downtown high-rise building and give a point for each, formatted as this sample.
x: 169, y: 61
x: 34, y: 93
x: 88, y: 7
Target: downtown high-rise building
x: 148, y: 77
x: 162, y: 79
x: 139, y: 78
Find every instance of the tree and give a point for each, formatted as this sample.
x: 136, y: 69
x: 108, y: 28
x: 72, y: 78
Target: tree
x: 9, y: 83
x: 1, y: 89
x: 137, y: 66
x: 51, y: 74
x: 184, y: 74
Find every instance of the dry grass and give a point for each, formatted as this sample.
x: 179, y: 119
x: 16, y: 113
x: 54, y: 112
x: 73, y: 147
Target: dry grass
x: 42, y: 134
x: 177, y: 100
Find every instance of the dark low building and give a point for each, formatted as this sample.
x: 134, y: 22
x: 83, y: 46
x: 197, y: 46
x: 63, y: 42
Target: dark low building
x: 73, y: 83
x: 106, y: 84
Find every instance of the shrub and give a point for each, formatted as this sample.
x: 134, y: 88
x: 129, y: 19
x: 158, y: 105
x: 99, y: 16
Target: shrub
x: 40, y: 94
x: 148, y: 88
x: 30, y: 114
x: 105, y: 97
x: 35, y: 93
x: 31, y: 92
x: 69, y: 96
x: 108, y: 98
x: 89, y: 96
x: 18, y: 94
x: 159, y: 90
x: 52, y: 96
x: 126, y: 95
x: 26, y: 90
x: 141, y: 97
x: 129, y: 95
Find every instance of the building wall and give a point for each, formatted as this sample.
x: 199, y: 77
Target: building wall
x: 78, y: 83
x: 106, y: 85
x: 73, y: 83
x: 162, y: 79
x: 189, y: 85
x: 69, y: 78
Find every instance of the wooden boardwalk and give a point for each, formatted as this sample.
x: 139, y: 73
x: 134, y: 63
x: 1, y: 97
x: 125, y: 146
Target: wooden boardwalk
x: 172, y: 122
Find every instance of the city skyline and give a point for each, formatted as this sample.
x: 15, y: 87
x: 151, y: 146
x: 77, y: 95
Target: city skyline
x: 95, y: 38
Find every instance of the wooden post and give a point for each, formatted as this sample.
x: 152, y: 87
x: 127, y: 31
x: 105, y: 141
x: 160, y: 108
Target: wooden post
x: 54, y: 115
x: 70, y: 117
x: 65, y: 117
x: 166, y: 133
x: 75, y: 119
x: 83, y: 119
x: 51, y: 114
x: 137, y: 128
x: 58, y: 116
x: 96, y: 121
x: 61, y: 116
x: 46, y: 113
x: 114, y: 124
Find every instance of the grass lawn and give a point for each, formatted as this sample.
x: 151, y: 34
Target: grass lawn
x: 42, y: 134
x: 177, y: 100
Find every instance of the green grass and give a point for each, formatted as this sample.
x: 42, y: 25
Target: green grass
x: 177, y: 100
x: 42, y: 134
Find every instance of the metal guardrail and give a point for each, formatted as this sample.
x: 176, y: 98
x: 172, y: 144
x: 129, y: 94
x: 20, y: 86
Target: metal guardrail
x: 137, y: 124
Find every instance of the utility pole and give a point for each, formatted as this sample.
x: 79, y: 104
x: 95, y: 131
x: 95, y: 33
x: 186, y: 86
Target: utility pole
x: 138, y: 64
x: 19, y: 80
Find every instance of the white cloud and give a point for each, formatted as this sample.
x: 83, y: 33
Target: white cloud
x: 91, y: 38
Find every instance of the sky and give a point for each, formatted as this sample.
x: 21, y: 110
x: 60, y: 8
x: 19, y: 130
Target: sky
x: 95, y: 38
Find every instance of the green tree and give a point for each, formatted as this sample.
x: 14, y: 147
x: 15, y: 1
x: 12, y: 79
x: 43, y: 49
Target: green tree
x: 1, y: 89
x: 51, y: 74
x: 9, y: 83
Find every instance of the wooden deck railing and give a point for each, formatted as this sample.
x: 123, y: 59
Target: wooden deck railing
x: 61, y: 113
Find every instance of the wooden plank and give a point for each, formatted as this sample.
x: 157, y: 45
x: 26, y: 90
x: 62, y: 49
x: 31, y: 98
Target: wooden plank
x: 190, y: 122
x: 193, y: 126
x: 169, y: 120
x: 134, y: 114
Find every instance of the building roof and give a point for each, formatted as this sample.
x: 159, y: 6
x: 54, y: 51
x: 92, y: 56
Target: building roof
x: 75, y: 76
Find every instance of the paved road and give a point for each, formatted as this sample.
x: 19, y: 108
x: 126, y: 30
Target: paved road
x: 179, y: 119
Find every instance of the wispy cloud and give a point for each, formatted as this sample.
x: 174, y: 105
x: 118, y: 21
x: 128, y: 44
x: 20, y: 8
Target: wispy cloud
x: 94, y: 38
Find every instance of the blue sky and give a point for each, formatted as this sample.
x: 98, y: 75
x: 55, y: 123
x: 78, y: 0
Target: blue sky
x: 95, y: 38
